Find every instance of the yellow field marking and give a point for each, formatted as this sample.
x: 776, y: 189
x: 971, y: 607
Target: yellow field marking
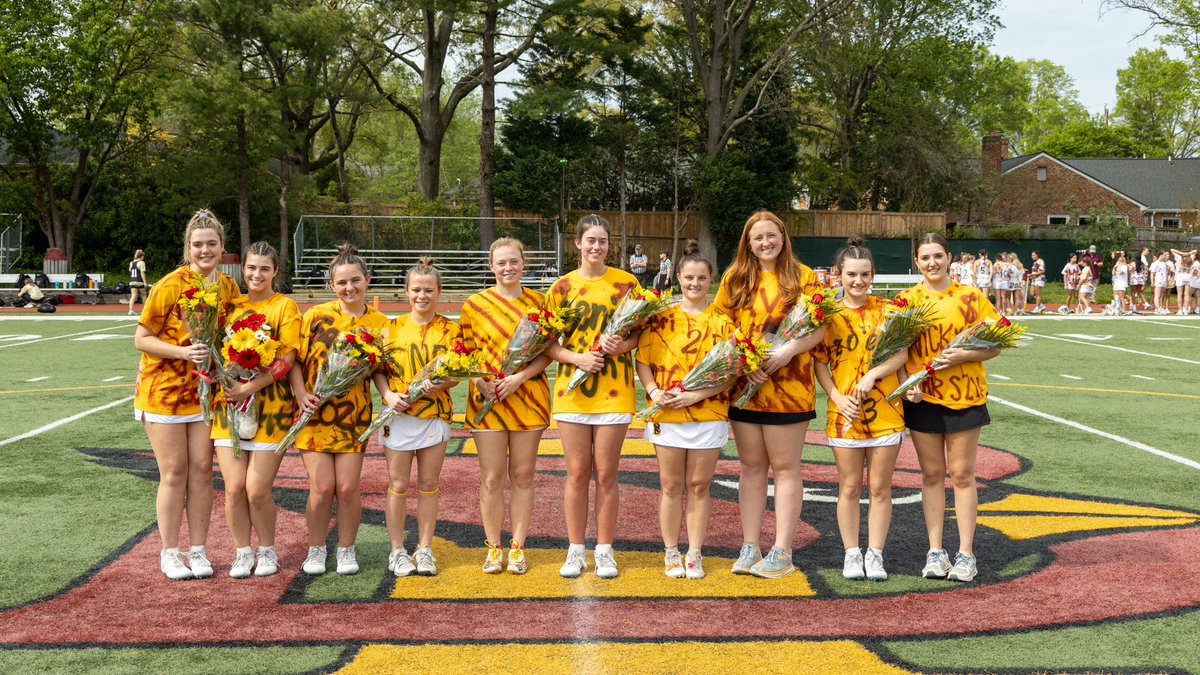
x: 552, y: 447
x: 1020, y: 528
x: 793, y: 658
x: 459, y: 578
x: 1093, y: 389
x: 42, y: 391
x: 1044, y: 505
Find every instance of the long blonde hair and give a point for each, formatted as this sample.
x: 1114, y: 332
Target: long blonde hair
x: 201, y: 220
x: 744, y: 275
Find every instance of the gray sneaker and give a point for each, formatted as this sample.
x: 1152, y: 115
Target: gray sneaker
x: 426, y: 563
x: 401, y: 563
x: 937, y: 565
x: 874, y: 565
x: 749, y: 555
x: 964, y: 568
x: 852, y: 565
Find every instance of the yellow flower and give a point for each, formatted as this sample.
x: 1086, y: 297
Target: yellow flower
x: 268, y: 351
x: 243, y: 340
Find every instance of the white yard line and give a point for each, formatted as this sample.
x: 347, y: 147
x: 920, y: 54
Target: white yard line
x: 1143, y: 377
x: 113, y: 379
x: 60, y: 337
x: 66, y: 420
x: 1173, y: 324
x: 38, y: 379
x: 1103, y: 434
x: 1071, y: 377
x: 999, y: 377
x: 1100, y: 346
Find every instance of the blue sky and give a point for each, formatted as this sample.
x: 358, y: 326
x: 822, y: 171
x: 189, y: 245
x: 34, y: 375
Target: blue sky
x: 1074, y: 34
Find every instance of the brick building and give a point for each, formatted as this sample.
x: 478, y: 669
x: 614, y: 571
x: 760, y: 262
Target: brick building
x: 1043, y: 190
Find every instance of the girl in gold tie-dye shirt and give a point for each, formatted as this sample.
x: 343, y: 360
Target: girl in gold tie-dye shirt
x: 757, y: 292
x: 945, y: 424
x: 329, y: 444
x: 507, y: 438
x: 167, y: 405
x: 592, y: 420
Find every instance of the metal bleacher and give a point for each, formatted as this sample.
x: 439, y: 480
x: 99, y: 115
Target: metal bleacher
x: 391, y: 245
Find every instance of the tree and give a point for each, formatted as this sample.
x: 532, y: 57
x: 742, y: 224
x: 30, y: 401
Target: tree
x: 78, y: 84
x: 1158, y: 97
x: 1053, y: 103
x: 1092, y: 138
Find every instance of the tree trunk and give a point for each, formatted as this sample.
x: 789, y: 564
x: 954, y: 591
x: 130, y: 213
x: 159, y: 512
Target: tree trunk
x: 285, y: 179
x: 487, y: 128
x: 343, y: 188
x: 243, y: 181
x: 432, y: 130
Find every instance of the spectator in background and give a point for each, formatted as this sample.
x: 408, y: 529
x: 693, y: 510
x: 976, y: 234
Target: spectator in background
x: 662, y: 281
x: 637, y: 264
x: 30, y: 294
x: 1037, y: 281
x: 1070, y: 274
x: 137, y: 279
x: 1094, y: 261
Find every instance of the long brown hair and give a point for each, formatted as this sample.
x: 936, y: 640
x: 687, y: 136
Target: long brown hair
x: 744, y: 275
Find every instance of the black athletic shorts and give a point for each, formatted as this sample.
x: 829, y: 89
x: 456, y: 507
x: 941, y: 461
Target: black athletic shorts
x: 932, y: 418
x: 770, y: 418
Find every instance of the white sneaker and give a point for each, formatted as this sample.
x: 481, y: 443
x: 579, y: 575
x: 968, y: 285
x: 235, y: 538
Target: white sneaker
x: 171, y: 564
x: 852, y: 565
x: 606, y: 564
x: 315, y: 562
x: 964, y: 568
x: 201, y: 568
x: 401, y: 563
x: 347, y: 563
x: 426, y: 563
x: 874, y: 564
x: 243, y: 563
x: 575, y: 564
x: 266, y: 563
x: 672, y: 564
x: 937, y: 565
x: 694, y: 565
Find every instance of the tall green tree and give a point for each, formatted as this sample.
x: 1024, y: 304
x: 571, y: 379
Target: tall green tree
x: 1093, y: 137
x: 1158, y: 97
x: 78, y: 88
x: 1053, y: 103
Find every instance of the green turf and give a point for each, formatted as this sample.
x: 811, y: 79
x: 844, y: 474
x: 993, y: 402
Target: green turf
x: 233, y: 661
x: 1153, y: 644
x: 1021, y: 566
x: 895, y: 584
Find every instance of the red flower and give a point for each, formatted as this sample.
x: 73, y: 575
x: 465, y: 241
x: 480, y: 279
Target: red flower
x: 742, y: 360
x: 657, y: 293
x: 900, y: 302
x: 371, y: 359
x: 351, y: 339
x: 818, y: 298
x: 533, y: 316
x: 1004, y: 322
x: 366, y: 337
x: 248, y: 359
x: 190, y: 293
x: 928, y: 367
x: 460, y: 348
x: 819, y: 316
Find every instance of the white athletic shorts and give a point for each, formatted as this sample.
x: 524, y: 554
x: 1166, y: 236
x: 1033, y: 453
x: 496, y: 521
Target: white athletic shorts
x: 1120, y: 288
x: 1038, y: 282
x: 594, y: 419
x: 406, y: 433
x: 143, y: 416
x: 248, y: 446
x: 690, y: 435
x: 882, y: 441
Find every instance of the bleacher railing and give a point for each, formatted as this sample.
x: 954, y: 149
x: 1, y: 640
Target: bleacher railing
x: 10, y: 241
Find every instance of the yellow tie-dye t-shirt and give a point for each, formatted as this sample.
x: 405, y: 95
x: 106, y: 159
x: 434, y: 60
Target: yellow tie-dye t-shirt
x: 964, y: 385
x: 789, y: 389
x: 168, y: 386
x: 488, y: 321
x: 338, y: 423
x: 275, y: 404
x: 415, y: 345
x: 849, y: 338
x: 672, y: 344
x: 609, y: 391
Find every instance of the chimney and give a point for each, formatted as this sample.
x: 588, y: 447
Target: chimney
x: 995, y: 150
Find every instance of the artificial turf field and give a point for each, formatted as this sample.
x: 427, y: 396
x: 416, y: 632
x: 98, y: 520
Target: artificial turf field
x: 1088, y: 535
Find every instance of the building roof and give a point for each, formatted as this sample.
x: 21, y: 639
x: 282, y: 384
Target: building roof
x: 1156, y: 184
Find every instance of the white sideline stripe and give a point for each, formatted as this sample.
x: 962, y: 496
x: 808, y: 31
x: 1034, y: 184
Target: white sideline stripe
x: 1103, y: 434
x: 66, y: 420
x: 38, y: 379
x: 1099, y: 346
x: 999, y: 377
x: 1143, y: 377
x: 1163, y: 339
x: 113, y: 379
x: 1071, y: 377
x: 59, y: 337
x: 1173, y: 324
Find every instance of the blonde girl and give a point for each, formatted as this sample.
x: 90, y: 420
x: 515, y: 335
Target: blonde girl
x: 249, y: 477
x: 863, y: 429
x: 507, y: 438
x: 1087, y: 289
x: 592, y: 420
x: 1120, y: 282
x: 945, y: 424
x: 329, y: 444
x: 757, y: 292
x: 693, y: 426
x: 423, y: 430
x: 167, y: 403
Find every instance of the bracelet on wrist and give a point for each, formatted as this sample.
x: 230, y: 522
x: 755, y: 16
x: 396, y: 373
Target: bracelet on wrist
x: 650, y: 394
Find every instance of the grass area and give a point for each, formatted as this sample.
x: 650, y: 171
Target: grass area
x: 216, y: 661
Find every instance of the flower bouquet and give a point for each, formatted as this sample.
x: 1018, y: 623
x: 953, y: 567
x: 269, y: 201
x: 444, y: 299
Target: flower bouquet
x: 533, y: 334
x: 998, y: 334
x: 457, y: 362
x: 902, y: 325
x: 250, y: 349
x: 350, y: 360
x: 200, y: 307
x: 637, y: 307
x: 724, y: 363
x: 809, y: 314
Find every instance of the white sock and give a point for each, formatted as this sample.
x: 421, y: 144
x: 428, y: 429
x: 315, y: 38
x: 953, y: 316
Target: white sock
x: 575, y: 548
x: 853, y: 549
x: 667, y: 549
x: 604, y: 548
x: 693, y: 551
x: 244, y: 549
x: 877, y: 551
x: 264, y: 549
x: 197, y: 549
x: 173, y: 549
